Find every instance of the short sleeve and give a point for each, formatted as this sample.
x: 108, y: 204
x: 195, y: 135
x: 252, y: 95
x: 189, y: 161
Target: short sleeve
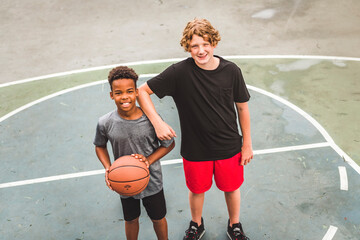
x: 241, y: 93
x: 164, y: 84
x: 100, y: 139
x: 166, y: 143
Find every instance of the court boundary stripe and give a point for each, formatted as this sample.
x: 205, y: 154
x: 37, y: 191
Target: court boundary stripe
x: 30, y: 104
x: 331, y: 142
x: 51, y: 178
x: 330, y: 233
x: 292, y: 148
x: 345, y: 156
x: 315, y: 123
x: 165, y: 162
x: 340, y: 58
x: 343, y: 178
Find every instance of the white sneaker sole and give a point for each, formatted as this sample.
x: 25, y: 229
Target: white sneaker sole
x: 202, y: 234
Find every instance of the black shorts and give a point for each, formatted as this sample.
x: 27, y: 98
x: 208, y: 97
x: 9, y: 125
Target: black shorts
x: 155, y: 206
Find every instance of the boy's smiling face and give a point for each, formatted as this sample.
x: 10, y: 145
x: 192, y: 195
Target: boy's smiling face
x: 202, y: 52
x: 124, y: 93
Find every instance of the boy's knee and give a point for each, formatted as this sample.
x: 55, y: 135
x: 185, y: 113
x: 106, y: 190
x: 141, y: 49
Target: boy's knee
x: 158, y: 220
x: 134, y: 221
x: 235, y: 192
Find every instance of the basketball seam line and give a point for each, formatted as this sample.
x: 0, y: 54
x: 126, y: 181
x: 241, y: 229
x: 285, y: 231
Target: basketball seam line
x: 128, y: 181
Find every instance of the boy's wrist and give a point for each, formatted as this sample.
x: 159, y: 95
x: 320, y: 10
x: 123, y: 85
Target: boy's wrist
x: 247, y: 141
x: 156, y: 120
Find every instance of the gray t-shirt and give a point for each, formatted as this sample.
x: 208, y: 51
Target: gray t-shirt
x: 132, y: 136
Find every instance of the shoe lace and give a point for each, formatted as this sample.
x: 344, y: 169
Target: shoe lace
x: 191, y: 233
x: 239, y: 235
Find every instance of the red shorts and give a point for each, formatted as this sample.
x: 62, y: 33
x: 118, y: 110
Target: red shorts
x: 228, y: 174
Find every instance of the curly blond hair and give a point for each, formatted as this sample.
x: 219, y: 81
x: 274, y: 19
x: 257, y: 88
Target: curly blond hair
x: 202, y: 28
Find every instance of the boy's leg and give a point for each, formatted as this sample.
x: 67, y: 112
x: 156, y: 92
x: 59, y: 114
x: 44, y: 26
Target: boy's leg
x: 196, y: 202
x: 234, y: 227
x: 132, y: 229
x: 198, y: 177
x: 155, y: 206
x: 229, y: 176
x: 131, y: 210
x: 233, y: 200
x: 161, y: 228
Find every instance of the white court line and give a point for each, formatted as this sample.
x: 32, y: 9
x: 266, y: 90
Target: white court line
x: 170, y: 162
x: 166, y: 162
x: 49, y: 97
x: 60, y: 93
x: 292, y: 148
x: 294, y: 107
x: 49, y: 76
x: 339, y: 58
x: 345, y: 156
x: 343, y: 178
x: 329, y: 142
x: 317, y: 125
x: 330, y: 233
x: 52, y: 178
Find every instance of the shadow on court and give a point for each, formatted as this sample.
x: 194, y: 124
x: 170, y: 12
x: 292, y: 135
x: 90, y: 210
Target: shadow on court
x: 288, y: 193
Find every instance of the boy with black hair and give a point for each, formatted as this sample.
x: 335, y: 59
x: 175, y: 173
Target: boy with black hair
x: 131, y: 133
x: 206, y: 88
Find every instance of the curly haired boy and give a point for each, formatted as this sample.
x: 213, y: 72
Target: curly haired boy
x: 208, y: 91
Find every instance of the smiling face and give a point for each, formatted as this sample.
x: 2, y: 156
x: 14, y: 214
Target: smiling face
x: 203, y: 53
x: 124, y: 93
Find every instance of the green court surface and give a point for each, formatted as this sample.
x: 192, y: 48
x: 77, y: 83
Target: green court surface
x: 327, y: 88
x: 299, y: 185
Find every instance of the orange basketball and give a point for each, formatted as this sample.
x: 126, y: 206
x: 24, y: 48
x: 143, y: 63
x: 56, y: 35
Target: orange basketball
x: 128, y: 176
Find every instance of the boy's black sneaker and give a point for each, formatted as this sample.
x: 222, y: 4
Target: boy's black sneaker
x: 195, y: 232
x: 236, y: 232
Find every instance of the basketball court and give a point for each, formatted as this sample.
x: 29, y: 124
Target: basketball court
x: 302, y: 184
x: 297, y: 180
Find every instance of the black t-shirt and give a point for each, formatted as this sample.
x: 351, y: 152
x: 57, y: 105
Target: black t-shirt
x: 205, y: 102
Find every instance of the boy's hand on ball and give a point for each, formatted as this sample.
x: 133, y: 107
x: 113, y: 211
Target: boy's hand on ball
x: 107, y: 178
x: 141, y: 158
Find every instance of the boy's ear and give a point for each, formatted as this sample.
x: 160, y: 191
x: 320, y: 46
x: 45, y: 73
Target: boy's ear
x: 111, y: 95
x: 137, y: 92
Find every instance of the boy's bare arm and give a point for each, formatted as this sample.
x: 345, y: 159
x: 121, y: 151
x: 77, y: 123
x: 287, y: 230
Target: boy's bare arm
x: 244, y: 120
x: 155, y: 156
x: 162, y: 129
x: 103, y: 155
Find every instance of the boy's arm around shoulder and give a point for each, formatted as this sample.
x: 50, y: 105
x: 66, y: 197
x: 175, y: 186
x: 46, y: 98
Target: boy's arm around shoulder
x: 162, y: 129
